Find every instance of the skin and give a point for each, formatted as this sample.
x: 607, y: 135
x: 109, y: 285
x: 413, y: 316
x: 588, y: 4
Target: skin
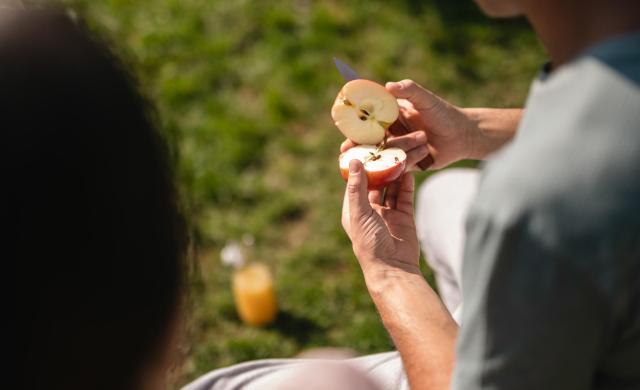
x: 156, y: 373
x: 383, y: 234
x: 448, y: 133
x: 385, y: 243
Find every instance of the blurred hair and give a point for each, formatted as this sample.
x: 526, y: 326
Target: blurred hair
x: 93, y: 240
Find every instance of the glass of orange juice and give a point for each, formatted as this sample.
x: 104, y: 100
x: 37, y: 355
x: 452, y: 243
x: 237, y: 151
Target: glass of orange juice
x: 253, y: 288
x: 254, y: 294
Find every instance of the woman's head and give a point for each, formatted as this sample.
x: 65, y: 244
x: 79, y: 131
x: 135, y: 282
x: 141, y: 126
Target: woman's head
x: 93, y: 244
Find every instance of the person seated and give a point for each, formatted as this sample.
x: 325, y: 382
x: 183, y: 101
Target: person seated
x: 94, y: 240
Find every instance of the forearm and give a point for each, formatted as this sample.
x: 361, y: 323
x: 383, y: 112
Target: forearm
x: 419, y: 324
x: 491, y: 129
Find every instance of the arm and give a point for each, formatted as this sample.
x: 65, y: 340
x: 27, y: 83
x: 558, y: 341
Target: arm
x: 385, y: 243
x: 421, y: 328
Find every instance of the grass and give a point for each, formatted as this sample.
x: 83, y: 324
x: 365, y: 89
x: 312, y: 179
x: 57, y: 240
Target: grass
x: 244, y: 90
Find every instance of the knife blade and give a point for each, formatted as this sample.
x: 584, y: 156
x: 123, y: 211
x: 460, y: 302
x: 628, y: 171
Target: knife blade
x: 345, y: 70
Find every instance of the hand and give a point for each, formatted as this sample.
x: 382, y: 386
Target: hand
x: 448, y: 129
x: 383, y: 234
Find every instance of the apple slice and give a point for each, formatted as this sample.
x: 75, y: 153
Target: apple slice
x: 363, y: 111
x: 382, y: 166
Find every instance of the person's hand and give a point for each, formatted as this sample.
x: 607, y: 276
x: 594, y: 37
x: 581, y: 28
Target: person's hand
x: 452, y: 133
x: 448, y: 129
x: 383, y: 234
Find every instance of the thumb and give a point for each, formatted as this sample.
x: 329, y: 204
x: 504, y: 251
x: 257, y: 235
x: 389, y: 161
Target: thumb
x: 421, y: 98
x: 359, y: 207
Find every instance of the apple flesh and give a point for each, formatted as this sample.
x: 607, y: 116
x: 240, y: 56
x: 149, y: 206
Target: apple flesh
x: 363, y: 111
x: 382, y: 167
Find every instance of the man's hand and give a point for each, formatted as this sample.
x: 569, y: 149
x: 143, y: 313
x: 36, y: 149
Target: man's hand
x: 448, y: 130
x: 453, y: 133
x: 383, y: 234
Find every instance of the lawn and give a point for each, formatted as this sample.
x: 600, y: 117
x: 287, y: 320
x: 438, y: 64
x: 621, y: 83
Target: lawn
x: 243, y: 90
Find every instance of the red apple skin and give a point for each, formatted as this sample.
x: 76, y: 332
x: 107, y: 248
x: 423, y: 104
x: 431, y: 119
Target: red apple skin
x: 379, y: 179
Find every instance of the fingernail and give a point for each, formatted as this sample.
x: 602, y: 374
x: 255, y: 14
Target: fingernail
x: 354, y: 167
x: 421, y: 137
x: 391, y: 85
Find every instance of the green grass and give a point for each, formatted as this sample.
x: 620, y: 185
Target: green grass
x: 244, y: 89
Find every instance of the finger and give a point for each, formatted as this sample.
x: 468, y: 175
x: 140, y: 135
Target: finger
x: 404, y: 104
x: 409, y: 141
x: 404, y: 199
x: 414, y: 120
x: 415, y: 156
x: 346, y: 145
x: 375, y: 197
x: 359, y: 207
x: 403, y: 125
x: 421, y: 98
x: 346, y: 219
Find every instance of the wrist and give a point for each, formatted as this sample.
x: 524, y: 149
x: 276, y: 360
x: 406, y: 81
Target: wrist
x: 402, y: 295
x: 488, y: 129
x: 473, y: 133
x: 470, y: 132
x: 381, y: 275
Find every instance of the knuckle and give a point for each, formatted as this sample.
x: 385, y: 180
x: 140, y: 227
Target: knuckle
x: 408, y: 83
x: 416, y: 141
x: 354, y: 186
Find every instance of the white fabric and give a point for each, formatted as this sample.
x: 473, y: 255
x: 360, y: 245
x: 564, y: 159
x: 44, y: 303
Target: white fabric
x: 384, y: 370
x: 442, y: 204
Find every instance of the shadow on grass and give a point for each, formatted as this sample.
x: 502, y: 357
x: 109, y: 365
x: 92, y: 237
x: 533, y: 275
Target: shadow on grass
x: 301, y: 329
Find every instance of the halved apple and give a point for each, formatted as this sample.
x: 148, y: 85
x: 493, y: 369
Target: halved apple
x: 363, y: 111
x: 382, y: 166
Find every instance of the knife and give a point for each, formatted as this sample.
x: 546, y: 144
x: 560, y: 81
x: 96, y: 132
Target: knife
x: 345, y: 70
x: 349, y: 74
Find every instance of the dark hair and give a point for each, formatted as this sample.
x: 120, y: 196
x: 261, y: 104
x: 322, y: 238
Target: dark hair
x: 93, y: 242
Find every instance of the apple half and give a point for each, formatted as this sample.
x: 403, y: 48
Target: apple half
x: 363, y: 111
x: 383, y: 167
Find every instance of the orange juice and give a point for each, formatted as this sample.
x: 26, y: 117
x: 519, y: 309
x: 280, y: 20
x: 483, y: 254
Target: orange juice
x: 254, y: 294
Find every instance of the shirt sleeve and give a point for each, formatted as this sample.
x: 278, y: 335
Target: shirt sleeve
x: 531, y: 320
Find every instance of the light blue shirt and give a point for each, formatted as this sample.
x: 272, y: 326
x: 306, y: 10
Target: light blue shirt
x: 551, y: 278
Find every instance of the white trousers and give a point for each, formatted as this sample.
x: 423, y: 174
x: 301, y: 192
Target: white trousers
x: 442, y: 204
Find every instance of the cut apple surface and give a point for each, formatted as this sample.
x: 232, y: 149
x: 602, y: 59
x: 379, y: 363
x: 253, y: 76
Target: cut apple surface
x: 382, y: 166
x: 363, y: 111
